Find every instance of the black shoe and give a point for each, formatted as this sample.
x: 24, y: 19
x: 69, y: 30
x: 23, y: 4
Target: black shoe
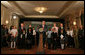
x: 49, y: 48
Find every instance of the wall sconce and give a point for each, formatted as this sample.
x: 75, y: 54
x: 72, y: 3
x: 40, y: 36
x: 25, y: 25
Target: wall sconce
x: 7, y: 21
x: 14, y: 17
x: 74, y: 23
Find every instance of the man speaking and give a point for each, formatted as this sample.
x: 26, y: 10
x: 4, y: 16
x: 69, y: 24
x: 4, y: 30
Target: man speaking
x: 44, y: 32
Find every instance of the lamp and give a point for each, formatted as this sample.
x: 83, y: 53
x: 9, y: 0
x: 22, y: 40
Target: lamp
x: 14, y: 17
x: 74, y: 23
x: 7, y: 21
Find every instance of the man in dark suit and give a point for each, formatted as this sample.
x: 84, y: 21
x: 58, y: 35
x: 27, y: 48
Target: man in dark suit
x: 81, y: 37
x: 21, y: 38
x: 37, y: 35
x: 2, y: 35
x: 5, y: 35
x: 62, y: 31
x: 44, y: 32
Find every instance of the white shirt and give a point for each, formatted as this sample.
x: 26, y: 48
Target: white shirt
x: 56, y: 29
x: 34, y: 33
x: 14, y: 31
x: 68, y: 32
x: 61, y: 36
x: 71, y: 33
x: 49, y: 34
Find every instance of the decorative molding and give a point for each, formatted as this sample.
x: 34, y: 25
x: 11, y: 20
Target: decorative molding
x: 41, y: 16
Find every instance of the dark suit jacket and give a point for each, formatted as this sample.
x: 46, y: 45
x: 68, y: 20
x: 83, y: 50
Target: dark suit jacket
x: 54, y: 36
x: 21, y: 31
x: 28, y: 30
x: 45, y: 28
x: 44, y: 31
x: 59, y: 32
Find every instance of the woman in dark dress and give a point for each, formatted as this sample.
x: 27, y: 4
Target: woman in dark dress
x: 54, y: 39
x: 29, y: 37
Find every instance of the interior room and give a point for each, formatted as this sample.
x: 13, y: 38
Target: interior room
x: 42, y: 27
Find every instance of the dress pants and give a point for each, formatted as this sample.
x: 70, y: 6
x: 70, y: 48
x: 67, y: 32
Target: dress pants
x: 62, y: 46
x: 58, y: 41
x: 21, y: 42
x: 69, y: 40
x: 49, y: 43
x: 44, y: 38
x: 4, y: 41
x: 28, y: 44
x: 76, y: 42
x: 54, y: 46
x: 37, y: 38
x: 33, y: 40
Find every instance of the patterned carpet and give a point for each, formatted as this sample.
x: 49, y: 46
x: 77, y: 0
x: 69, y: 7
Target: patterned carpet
x: 7, y: 50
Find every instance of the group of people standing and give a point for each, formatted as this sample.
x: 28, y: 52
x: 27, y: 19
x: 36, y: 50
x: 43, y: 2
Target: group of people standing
x: 56, y: 37
x: 53, y: 38
x: 26, y: 38
x: 4, y: 32
x: 76, y: 37
x: 8, y: 37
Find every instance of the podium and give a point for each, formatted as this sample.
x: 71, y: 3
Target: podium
x: 40, y: 49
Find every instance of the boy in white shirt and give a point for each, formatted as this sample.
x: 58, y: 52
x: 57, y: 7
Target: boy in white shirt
x: 49, y: 39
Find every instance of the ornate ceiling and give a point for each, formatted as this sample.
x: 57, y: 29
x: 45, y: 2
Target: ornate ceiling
x: 54, y: 8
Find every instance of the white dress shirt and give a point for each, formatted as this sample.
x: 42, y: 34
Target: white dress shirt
x: 13, y: 31
x: 68, y: 32
x: 56, y: 29
x: 34, y: 32
x: 71, y: 33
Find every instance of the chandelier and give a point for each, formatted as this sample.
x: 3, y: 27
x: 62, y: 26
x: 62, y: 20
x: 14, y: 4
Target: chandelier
x: 40, y: 9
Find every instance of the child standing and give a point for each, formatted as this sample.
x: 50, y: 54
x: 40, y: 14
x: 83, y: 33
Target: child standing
x: 49, y: 38
x: 13, y: 37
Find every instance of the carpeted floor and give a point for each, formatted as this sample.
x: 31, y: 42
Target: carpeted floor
x: 7, y: 50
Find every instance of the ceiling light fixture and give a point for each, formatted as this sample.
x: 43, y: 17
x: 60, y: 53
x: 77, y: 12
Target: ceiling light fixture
x: 40, y: 9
